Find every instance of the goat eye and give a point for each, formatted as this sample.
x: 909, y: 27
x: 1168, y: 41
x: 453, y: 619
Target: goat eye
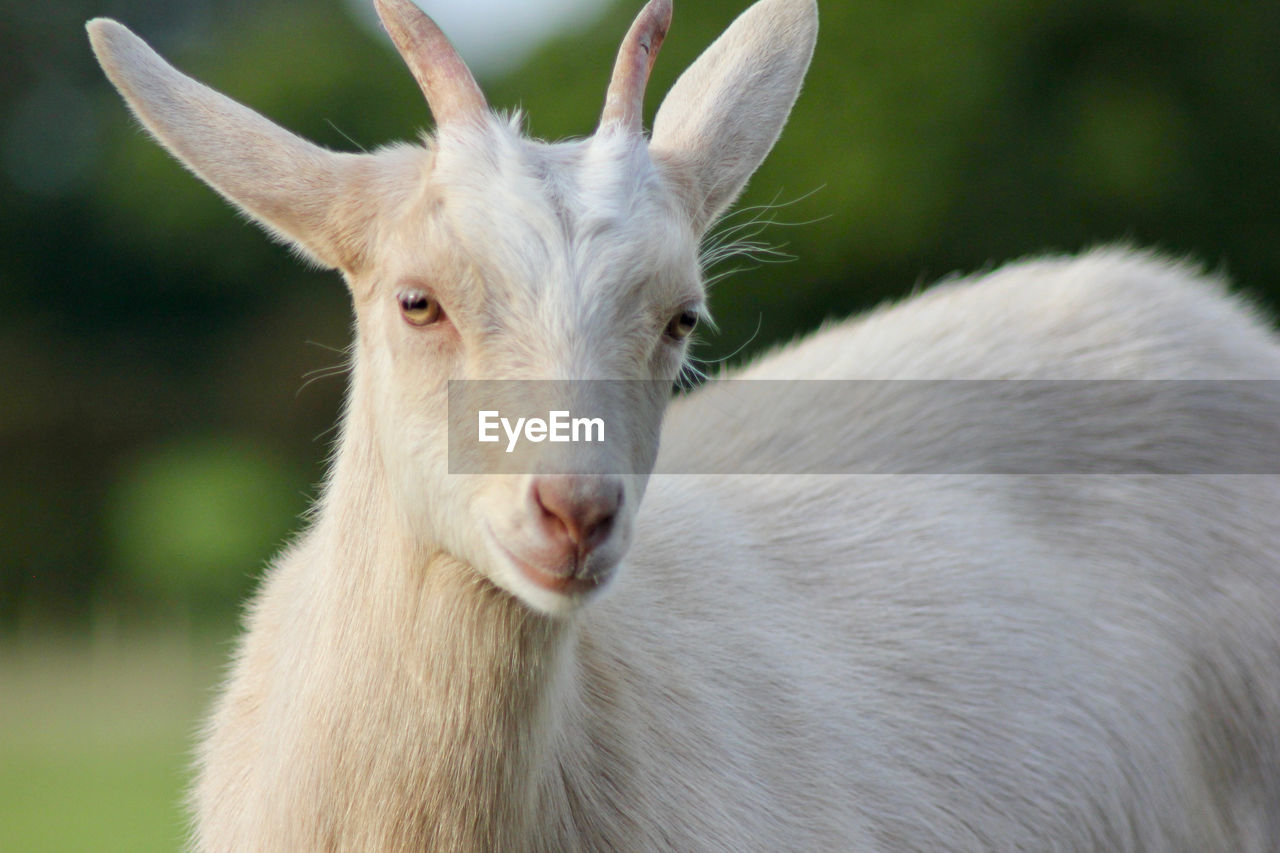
x: 419, y: 308
x: 681, y: 325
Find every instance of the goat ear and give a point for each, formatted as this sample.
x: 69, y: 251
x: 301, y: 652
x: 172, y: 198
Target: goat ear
x: 725, y: 112
x: 295, y: 189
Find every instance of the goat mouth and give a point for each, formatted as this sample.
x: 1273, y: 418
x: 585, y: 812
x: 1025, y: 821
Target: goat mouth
x: 570, y: 584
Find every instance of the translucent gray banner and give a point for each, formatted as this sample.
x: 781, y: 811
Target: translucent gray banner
x: 867, y: 427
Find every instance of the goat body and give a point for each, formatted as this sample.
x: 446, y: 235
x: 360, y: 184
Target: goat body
x: 970, y: 661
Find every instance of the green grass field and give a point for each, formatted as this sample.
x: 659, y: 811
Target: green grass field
x: 95, y: 739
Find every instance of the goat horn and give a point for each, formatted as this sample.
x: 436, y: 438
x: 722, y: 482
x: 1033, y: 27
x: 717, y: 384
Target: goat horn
x: 445, y: 80
x: 624, y: 103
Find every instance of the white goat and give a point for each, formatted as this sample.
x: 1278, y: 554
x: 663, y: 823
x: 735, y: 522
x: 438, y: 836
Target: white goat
x: 916, y: 662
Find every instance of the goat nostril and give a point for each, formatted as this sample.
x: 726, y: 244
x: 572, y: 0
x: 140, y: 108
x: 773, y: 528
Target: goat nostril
x: 597, y: 532
x: 555, y: 510
x: 586, y: 519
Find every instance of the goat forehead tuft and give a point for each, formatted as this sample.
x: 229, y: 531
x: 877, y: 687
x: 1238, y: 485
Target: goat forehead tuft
x: 550, y: 201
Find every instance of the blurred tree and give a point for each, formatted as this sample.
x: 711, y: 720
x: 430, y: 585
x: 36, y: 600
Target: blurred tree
x: 184, y: 515
x: 138, y: 314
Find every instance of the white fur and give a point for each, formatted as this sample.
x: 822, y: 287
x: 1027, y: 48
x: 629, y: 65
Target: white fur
x: 789, y: 662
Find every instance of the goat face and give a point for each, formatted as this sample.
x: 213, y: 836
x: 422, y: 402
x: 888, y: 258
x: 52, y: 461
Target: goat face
x: 508, y: 259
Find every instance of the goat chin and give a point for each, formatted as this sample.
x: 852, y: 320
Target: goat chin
x: 1053, y: 627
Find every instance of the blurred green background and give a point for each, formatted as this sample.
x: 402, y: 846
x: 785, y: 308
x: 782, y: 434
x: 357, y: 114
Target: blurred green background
x: 166, y: 393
